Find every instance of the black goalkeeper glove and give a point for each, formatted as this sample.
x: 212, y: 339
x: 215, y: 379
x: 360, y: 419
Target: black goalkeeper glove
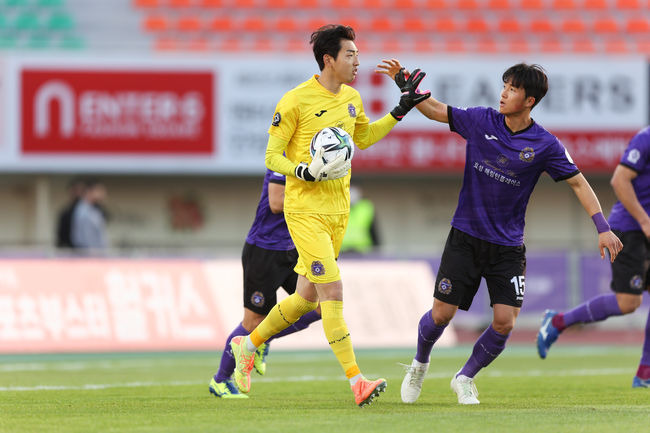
x: 411, y: 95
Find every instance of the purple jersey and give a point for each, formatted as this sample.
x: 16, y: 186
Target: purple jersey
x: 636, y: 157
x: 269, y: 230
x: 501, y: 170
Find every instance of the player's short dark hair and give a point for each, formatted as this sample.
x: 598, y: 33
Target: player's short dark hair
x: 327, y: 40
x: 531, y: 77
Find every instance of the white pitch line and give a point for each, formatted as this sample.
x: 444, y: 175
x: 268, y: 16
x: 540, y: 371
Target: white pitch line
x: 438, y: 375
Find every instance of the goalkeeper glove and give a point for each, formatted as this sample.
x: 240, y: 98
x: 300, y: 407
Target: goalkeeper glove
x: 411, y: 95
x: 319, y: 170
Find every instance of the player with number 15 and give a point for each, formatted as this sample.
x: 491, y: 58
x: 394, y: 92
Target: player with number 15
x: 506, y: 153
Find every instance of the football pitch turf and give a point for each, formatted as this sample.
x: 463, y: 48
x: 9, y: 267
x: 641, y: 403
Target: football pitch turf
x: 577, y: 389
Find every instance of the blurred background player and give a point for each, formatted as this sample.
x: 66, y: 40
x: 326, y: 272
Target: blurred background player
x: 88, y: 228
x: 268, y: 259
x: 361, y: 234
x: 76, y: 188
x: 317, y: 201
x: 506, y: 153
x: 630, y: 274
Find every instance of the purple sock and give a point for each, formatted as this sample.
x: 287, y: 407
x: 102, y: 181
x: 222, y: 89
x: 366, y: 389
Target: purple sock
x: 594, y: 310
x: 488, y: 346
x: 227, y: 365
x: 644, y: 366
x: 302, y: 323
x: 428, y: 334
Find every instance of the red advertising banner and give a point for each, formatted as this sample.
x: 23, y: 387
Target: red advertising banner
x: 433, y: 151
x: 100, y: 305
x: 116, y: 112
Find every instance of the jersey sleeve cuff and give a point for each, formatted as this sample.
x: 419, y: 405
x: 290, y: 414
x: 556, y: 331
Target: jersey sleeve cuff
x: 451, y: 119
x: 567, y: 176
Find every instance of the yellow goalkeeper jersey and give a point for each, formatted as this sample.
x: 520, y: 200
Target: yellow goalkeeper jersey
x: 300, y: 114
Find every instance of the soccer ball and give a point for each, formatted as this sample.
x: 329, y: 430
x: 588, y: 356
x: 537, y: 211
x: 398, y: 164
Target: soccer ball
x: 335, y: 141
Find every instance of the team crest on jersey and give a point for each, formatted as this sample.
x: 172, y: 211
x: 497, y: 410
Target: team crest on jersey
x: 352, y: 110
x: 527, y: 154
x: 317, y: 268
x: 444, y: 286
x: 634, y: 156
x: 257, y: 299
x: 276, y: 119
x: 636, y: 282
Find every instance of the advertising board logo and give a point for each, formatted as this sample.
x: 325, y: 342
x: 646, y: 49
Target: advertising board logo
x: 117, y: 112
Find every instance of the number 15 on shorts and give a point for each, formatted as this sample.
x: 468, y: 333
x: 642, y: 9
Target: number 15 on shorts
x: 520, y: 286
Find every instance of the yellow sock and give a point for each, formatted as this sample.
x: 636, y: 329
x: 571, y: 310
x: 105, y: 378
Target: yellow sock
x: 283, y: 314
x: 338, y: 336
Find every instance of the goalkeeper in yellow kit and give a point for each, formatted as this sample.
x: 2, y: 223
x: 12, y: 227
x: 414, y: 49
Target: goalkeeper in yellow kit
x: 317, y: 197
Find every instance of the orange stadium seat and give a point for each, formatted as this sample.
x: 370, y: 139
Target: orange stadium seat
x: 477, y: 25
x: 616, y: 46
x: 382, y: 24
x: 285, y: 23
x: 341, y: 4
x: 573, y: 25
x: 166, y: 44
x: 371, y: 5
x: 391, y: 46
x: 243, y: 4
x: 467, y: 5
x: 221, y: 23
x: 606, y: 25
x: 455, y: 45
x: 359, y: 25
x: 262, y: 44
x: 423, y: 45
x: 486, y: 45
x: 564, y: 5
x: 180, y: 4
x: 415, y: 24
x: 232, y: 44
x: 583, y: 45
x: 643, y: 46
x: 629, y: 4
x: 307, y: 4
x: 499, y: 5
x: 509, y: 24
x: 189, y: 24
x: 637, y: 25
x: 437, y: 5
x: 445, y: 25
x: 519, y: 45
x: 403, y: 4
x: 314, y: 23
x: 541, y: 25
x: 156, y: 23
x: 198, y: 44
x: 146, y: 3
x: 275, y: 4
x: 532, y: 4
x: 210, y: 4
x: 595, y: 5
x: 551, y: 46
x: 296, y: 44
x: 253, y: 23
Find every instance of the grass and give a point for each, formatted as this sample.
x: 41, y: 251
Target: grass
x: 577, y: 389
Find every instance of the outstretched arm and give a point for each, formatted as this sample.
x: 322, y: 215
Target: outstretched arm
x: 589, y: 201
x: 624, y: 190
x: 431, y: 108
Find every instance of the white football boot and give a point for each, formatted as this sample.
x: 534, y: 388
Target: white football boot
x: 465, y: 389
x: 412, y: 383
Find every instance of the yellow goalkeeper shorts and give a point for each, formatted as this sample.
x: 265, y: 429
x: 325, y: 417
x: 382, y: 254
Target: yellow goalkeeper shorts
x: 318, y: 241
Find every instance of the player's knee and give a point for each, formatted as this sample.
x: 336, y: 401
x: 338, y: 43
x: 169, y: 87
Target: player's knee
x: 503, y: 327
x: 301, y: 305
x: 628, y: 304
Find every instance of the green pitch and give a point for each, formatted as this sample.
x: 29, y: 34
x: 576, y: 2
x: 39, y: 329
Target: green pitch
x: 577, y: 389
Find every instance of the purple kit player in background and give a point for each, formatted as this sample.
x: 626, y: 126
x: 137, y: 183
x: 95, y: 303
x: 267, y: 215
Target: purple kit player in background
x: 268, y: 259
x: 506, y: 153
x: 630, y: 274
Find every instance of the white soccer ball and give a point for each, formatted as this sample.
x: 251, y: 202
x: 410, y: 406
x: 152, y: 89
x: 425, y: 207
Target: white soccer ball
x: 335, y: 141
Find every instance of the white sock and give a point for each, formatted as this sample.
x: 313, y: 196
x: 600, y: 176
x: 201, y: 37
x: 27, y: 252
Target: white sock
x: 249, y: 345
x: 354, y: 379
